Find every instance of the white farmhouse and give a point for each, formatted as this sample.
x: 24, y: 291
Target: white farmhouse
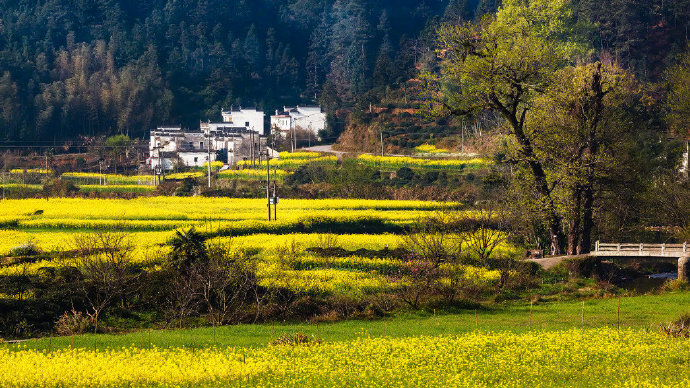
x: 249, y: 118
x: 308, y: 118
x: 170, y: 146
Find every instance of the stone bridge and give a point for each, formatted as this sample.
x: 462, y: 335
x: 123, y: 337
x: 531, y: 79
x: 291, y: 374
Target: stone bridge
x: 681, y: 252
x: 642, y: 250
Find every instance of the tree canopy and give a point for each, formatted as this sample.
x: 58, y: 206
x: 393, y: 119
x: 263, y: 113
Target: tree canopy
x: 100, y: 67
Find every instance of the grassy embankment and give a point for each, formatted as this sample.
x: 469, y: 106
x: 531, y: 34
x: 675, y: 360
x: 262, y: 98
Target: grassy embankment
x: 639, y: 312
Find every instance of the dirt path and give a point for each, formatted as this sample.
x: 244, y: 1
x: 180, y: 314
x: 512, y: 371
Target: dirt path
x: 325, y: 148
x: 550, y: 262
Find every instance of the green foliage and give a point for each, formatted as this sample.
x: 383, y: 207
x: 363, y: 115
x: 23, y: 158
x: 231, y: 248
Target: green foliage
x: 678, y: 100
x: 118, y: 143
x: 502, y: 61
x: 26, y: 249
x: 502, y: 64
x: 104, y: 67
x: 188, y: 247
x: 59, y: 188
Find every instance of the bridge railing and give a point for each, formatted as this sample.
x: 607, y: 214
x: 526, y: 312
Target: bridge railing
x: 641, y: 248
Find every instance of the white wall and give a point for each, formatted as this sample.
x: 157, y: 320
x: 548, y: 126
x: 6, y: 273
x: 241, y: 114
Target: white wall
x: 168, y: 143
x: 165, y: 162
x: 307, y: 118
x: 195, y: 159
x: 282, y: 123
x: 250, y: 118
x: 312, y: 121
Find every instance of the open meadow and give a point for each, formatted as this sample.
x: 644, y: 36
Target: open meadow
x: 341, y: 253
x: 506, y: 346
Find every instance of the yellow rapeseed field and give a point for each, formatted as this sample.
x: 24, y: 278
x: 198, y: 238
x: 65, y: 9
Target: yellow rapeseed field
x: 38, y: 171
x: 110, y: 179
x: 282, y: 260
x: 400, y: 161
x: 252, y: 174
x: 430, y: 149
x: 575, y: 358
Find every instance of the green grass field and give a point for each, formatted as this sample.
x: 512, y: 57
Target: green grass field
x: 501, y: 347
x: 639, y: 312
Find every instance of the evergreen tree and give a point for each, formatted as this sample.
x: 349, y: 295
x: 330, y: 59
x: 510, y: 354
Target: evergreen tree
x: 458, y: 11
x: 486, y: 7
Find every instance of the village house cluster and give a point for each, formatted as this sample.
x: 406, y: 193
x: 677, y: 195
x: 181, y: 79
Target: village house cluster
x: 241, y: 135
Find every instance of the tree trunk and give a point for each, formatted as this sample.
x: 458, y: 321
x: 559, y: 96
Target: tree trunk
x: 574, y: 223
x: 553, y: 220
x: 542, y: 186
x: 587, y: 221
x: 593, y: 148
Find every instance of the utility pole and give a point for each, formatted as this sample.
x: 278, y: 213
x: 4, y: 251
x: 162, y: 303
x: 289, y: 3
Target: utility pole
x: 687, y: 158
x: 208, y: 145
x: 161, y: 163
x: 275, y: 197
x: 293, y: 138
x: 160, y: 175
x: 381, y: 143
x: 268, y: 184
x: 3, y: 186
x: 251, y: 147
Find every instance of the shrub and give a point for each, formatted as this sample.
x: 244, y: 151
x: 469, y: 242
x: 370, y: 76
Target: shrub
x: 186, y: 189
x: 59, y: 188
x: 680, y: 328
x: 405, y: 173
x: 295, y: 339
x: 675, y: 285
x: 26, y: 249
x: 73, y: 322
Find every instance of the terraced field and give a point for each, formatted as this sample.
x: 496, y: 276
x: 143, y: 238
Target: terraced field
x: 281, y: 247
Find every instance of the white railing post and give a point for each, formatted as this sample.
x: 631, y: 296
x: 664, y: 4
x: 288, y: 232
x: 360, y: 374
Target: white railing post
x: 663, y: 248
x: 641, y: 247
x: 596, y: 246
x: 618, y: 247
x: 685, y: 246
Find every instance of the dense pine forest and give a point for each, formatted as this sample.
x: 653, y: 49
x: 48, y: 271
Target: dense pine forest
x: 101, y: 67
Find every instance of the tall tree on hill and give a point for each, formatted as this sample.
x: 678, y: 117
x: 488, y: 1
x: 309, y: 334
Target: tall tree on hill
x: 317, y: 59
x: 501, y: 65
x: 486, y: 7
x: 350, y: 35
x: 678, y: 100
x: 581, y: 129
x: 383, y: 69
x: 9, y: 107
x: 458, y: 11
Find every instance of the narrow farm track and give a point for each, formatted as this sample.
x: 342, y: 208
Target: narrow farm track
x: 550, y: 262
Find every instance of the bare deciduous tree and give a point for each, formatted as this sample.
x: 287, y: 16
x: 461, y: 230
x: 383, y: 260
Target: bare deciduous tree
x: 489, y: 232
x: 105, y: 262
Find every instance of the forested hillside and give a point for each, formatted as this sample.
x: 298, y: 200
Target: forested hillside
x: 90, y: 67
